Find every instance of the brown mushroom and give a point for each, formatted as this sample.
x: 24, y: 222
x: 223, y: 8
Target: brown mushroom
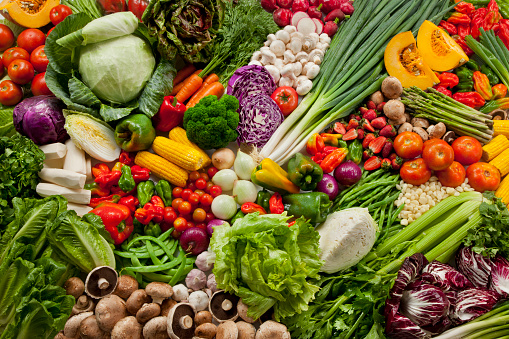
x: 394, y: 110
x: 156, y: 328
x: 126, y: 286
x: 223, y: 306
x: 109, y: 311
x: 396, y: 122
x: 180, y: 322
x: 101, y: 281
x: 74, y: 286
x: 498, y: 114
x: 377, y: 97
x: 272, y: 330
x: 246, y: 330
x: 392, y: 88
x: 147, y: 312
x: 408, y: 117
x: 159, y: 291
x: 61, y: 335
x: 436, y: 131
x: 227, y: 330
x: 422, y: 133
x: 405, y: 127
x: 242, y: 310
x: 127, y: 327
x: 72, y: 326
x: 83, y: 304
x: 420, y: 122
x: 166, y: 306
x: 89, y: 328
x: 202, y: 317
x: 449, y: 137
x: 207, y: 330
x: 136, y: 300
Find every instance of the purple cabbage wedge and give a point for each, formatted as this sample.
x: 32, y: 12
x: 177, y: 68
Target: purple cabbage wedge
x: 40, y: 118
x: 248, y: 80
x: 472, y: 303
x: 499, y: 279
x: 475, y: 266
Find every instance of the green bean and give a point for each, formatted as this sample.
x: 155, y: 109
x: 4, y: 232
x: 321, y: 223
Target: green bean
x: 176, y: 278
x: 150, y: 251
x: 367, y: 187
x: 396, y: 213
x: 374, y: 195
x: 156, y: 240
x: 382, y: 217
x: 383, y: 202
x: 156, y: 268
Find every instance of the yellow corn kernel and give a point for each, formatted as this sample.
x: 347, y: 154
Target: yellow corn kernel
x: 162, y: 168
x: 501, y: 162
x: 496, y: 146
x: 181, y: 155
x: 179, y: 134
x: 501, y: 127
x: 503, y: 190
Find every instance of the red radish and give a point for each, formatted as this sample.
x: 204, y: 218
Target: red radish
x: 319, y: 25
x: 194, y: 240
x: 297, y: 16
x: 330, y: 28
x: 300, y: 5
x: 315, y: 3
x: 337, y: 13
x: 347, y: 8
x: 306, y: 26
x: 314, y: 12
x: 285, y: 3
x: 282, y: 16
x: 330, y: 5
x: 269, y: 5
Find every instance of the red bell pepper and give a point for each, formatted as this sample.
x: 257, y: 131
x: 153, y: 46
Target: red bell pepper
x: 170, y: 114
x: 113, y: 198
x: 105, y: 177
x: 117, y: 220
x: 443, y: 90
x: 127, y: 158
x: 276, y: 204
x: 137, y: 7
x: 100, y: 169
x: 129, y: 201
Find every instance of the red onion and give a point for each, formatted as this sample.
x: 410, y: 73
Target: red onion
x: 215, y: 222
x: 194, y: 240
x: 329, y: 186
x: 348, y: 173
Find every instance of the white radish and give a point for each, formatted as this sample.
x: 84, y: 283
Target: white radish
x: 55, y: 150
x: 78, y: 196
x: 63, y: 177
x: 306, y: 26
x: 75, y: 158
x: 297, y: 16
x: 319, y: 25
x: 80, y: 210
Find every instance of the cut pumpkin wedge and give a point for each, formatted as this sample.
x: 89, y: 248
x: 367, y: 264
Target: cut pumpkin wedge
x: 438, y: 49
x: 27, y: 13
x: 404, y: 61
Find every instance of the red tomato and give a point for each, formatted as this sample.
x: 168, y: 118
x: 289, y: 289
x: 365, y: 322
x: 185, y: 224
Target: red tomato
x: 408, y: 145
x: 211, y: 171
x: 180, y: 224
x: 31, y: 38
x: 176, y: 203
x: 21, y: 71
x: 210, y: 216
x: 452, y: 176
x: 194, y: 199
x: 51, y: 30
x: 10, y: 93
x: 415, y: 172
x: 194, y: 175
x: 199, y: 215
x: 137, y: 7
x: 59, y: 13
x: 216, y: 191
x: 186, y: 193
x: 6, y: 37
x: 39, y: 86
x: 185, y: 207
x: 177, y: 192
x: 39, y: 60
x: 206, y: 199
x: 201, y: 183
x: 14, y: 53
x: 286, y: 98
x: 483, y: 177
x: 467, y: 150
x: 438, y: 155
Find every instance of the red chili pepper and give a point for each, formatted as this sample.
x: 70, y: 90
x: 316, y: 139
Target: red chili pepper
x: 129, y: 201
x: 140, y: 173
x: 331, y: 161
x: 493, y: 16
x: 460, y: 41
x: 144, y: 215
x: 117, y: 220
x: 151, y: 211
x: 463, y: 30
x: 331, y: 139
x: 376, y: 145
x: 328, y: 150
x: 276, y: 204
x: 97, y: 190
x: 458, y: 18
x: 373, y: 163
x: 315, y: 144
x: 127, y: 158
x: 465, y: 8
x: 107, y: 180
x: 471, y: 99
x: 443, y: 90
x: 503, y: 31
x: 170, y: 114
x: 251, y: 207
x: 113, y: 198
x: 318, y: 157
x: 100, y: 169
x: 477, y: 21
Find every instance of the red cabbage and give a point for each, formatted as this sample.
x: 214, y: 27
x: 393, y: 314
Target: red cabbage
x: 403, y: 328
x: 424, y: 305
x: 499, y: 280
x: 473, y: 265
x: 472, y: 303
x: 251, y: 79
x: 445, y: 277
x: 410, y: 270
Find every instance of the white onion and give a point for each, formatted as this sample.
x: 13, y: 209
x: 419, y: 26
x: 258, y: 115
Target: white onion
x: 244, y: 191
x: 225, y: 179
x: 244, y: 165
x: 224, y: 206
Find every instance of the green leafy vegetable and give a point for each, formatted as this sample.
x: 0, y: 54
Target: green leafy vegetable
x: 88, y: 7
x: 267, y: 263
x: 159, y: 86
x: 6, y: 124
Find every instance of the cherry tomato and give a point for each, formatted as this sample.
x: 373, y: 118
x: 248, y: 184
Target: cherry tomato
x: 176, y: 234
x: 177, y: 192
x: 205, y: 176
x: 205, y: 208
x: 194, y: 175
x: 199, y: 192
x: 30, y: 39
x: 185, y: 207
x: 180, y: 224
x: 176, y: 203
x: 39, y: 60
x: 212, y: 171
x: 194, y: 199
x: 467, y: 150
x: 38, y: 86
x: 209, y: 217
x: 59, y: 13
x: 169, y: 215
x: 6, y: 37
x: 191, y: 186
x: 202, y: 225
x: 209, y: 186
x: 201, y: 183
x: 186, y: 193
x: 10, y: 93
x: 215, y: 191
x: 408, y: 145
x: 199, y: 215
x: 190, y: 224
x: 21, y: 71
x: 483, y: 177
x: 14, y: 53
x: 452, y: 176
x: 415, y: 172
x: 438, y: 156
x: 206, y: 199
x: 286, y: 98
x: 51, y: 30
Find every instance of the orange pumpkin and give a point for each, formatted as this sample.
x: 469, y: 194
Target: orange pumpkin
x: 28, y: 16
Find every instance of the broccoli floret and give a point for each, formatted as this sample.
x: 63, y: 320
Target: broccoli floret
x: 213, y: 123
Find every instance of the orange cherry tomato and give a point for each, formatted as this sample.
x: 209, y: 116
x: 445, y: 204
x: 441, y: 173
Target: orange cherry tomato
x: 438, y: 155
x: 483, y: 177
x: 467, y: 150
x: 452, y: 176
x: 415, y: 172
x: 180, y: 224
x: 408, y: 145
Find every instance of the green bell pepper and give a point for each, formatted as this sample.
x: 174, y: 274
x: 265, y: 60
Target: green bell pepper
x: 314, y: 206
x: 238, y: 215
x: 355, y: 150
x: 304, y: 172
x: 163, y: 190
x: 126, y: 181
x: 263, y: 198
x: 492, y: 76
x: 472, y: 65
x: 466, y: 83
x: 152, y: 229
x: 135, y: 133
x: 145, y: 190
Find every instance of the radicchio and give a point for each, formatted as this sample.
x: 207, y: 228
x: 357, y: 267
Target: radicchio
x: 472, y: 303
x: 445, y: 277
x: 499, y: 280
x: 403, y: 328
x: 424, y: 305
x: 475, y: 266
x: 251, y: 79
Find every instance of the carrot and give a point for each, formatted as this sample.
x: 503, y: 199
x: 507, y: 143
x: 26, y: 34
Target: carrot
x: 191, y: 85
x: 210, y: 79
x: 215, y: 88
x: 184, y: 73
x: 179, y: 86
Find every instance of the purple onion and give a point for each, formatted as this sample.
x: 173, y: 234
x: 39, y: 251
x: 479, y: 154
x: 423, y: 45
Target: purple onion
x: 215, y: 222
x: 348, y: 173
x: 194, y: 240
x: 329, y: 186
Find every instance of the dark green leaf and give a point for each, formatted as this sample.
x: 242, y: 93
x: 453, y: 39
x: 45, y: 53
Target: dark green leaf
x: 6, y: 124
x: 109, y: 113
x: 81, y: 94
x: 159, y: 86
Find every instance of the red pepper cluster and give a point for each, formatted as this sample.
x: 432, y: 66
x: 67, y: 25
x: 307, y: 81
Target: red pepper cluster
x: 276, y: 206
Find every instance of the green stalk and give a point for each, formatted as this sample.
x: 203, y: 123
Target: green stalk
x: 464, y: 330
x: 449, y: 254
x: 489, y: 333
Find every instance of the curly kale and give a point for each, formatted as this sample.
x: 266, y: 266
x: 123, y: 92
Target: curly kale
x: 213, y: 123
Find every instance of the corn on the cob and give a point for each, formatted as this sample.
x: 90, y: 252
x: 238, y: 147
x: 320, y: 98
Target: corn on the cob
x: 162, y: 168
x: 501, y: 162
x: 501, y: 127
x: 503, y: 190
x: 178, y: 134
x: 181, y: 155
x: 496, y: 146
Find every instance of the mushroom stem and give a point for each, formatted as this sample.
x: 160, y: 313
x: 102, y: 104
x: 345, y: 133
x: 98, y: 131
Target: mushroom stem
x: 227, y: 305
x: 186, y: 322
x: 103, y: 283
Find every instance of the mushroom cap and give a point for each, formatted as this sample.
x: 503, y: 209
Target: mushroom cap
x: 167, y: 305
x: 180, y: 322
x: 392, y: 88
x: 89, y: 328
x: 127, y: 327
x: 246, y: 330
x: 156, y: 328
x: 126, y: 286
x: 202, y: 317
x: 227, y: 330
x: 242, y: 310
x: 101, y: 281
x: 72, y: 326
x: 83, y: 304
x: 159, y: 291
x: 74, y: 286
x: 223, y: 306
x: 136, y: 301
x: 206, y: 330
x: 147, y: 312
x: 109, y: 311
x: 498, y: 114
x: 272, y: 330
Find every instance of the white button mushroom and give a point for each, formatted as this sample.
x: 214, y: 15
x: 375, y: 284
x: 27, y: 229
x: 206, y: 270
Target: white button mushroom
x: 302, y: 57
x: 278, y: 62
x: 323, y: 47
x: 265, y: 48
x: 316, y: 56
x: 297, y: 35
x: 288, y: 57
x: 297, y: 68
x: 268, y: 58
x: 180, y: 292
x: 290, y: 29
x: 283, y: 35
x: 257, y: 56
x: 271, y: 37
x: 277, y: 47
x: 285, y: 81
x: 274, y: 71
x: 310, y: 70
x: 295, y: 46
x: 310, y: 41
x: 325, y: 38
x: 304, y: 87
x: 254, y: 62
